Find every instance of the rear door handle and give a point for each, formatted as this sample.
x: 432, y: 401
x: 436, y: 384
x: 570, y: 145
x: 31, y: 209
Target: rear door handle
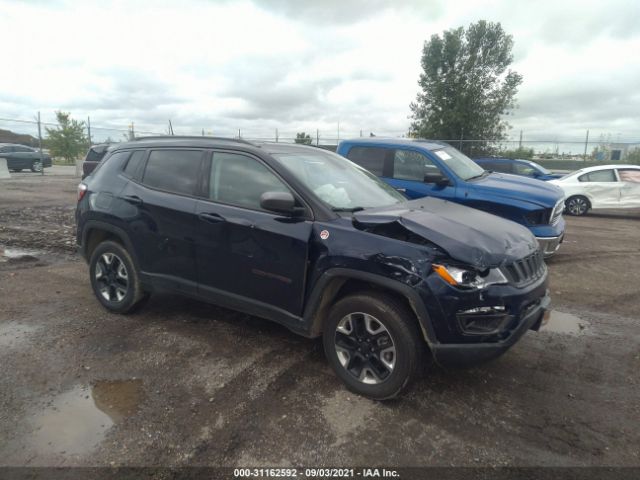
x: 132, y: 199
x: 211, y: 217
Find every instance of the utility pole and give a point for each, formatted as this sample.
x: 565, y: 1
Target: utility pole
x: 520, y: 142
x: 461, y: 137
x: 276, y: 135
x: 203, y: 132
x: 40, y: 144
x: 586, y: 144
x: 89, y: 129
x: 317, y: 137
x: 239, y: 134
x: 170, y: 128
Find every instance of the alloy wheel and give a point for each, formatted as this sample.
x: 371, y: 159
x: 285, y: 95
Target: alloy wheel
x: 365, y: 348
x: 112, y: 278
x: 37, y: 167
x: 577, y: 206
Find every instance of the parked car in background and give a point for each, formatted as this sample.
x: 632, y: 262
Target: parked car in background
x: 94, y: 156
x: 516, y: 166
x: 420, y: 168
x: 303, y: 237
x: 21, y: 157
x: 606, y: 186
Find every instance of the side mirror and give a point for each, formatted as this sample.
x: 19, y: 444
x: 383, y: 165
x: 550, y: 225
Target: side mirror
x: 438, y: 178
x: 281, y: 202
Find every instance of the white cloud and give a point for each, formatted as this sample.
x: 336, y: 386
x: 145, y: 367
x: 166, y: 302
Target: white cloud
x: 306, y: 65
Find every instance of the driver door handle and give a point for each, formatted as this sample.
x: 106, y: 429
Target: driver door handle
x: 211, y: 217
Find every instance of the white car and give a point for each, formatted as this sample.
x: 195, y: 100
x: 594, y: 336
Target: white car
x: 606, y: 186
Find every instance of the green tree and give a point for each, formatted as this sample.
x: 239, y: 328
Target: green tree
x: 68, y: 139
x: 466, y: 86
x: 303, y: 138
x: 520, y: 152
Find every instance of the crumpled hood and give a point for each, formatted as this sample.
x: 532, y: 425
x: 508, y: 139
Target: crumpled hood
x: 519, y: 188
x: 468, y: 235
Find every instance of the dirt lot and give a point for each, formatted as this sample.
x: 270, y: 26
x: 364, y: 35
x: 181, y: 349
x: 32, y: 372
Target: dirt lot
x: 185, y: 383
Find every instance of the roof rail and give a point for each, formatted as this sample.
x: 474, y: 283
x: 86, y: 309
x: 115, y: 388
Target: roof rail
x: 192, y: 137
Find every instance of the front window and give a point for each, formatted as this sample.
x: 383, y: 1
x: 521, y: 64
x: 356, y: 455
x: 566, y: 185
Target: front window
x: 459, y: 163
x: 338, y: 182
x: 540, y: 168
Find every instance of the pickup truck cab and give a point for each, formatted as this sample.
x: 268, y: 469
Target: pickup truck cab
x: 422, y: 168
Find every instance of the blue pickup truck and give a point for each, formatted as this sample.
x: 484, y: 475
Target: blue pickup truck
x: 421, y: 168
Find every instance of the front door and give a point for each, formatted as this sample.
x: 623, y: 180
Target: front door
x: 409, y: 168
x: 602, y: 187
x: 244, y: 252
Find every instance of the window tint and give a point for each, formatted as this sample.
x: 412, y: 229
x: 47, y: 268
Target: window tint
x: 173, y: 170
x: 241, y: 180
x: 371, y: 158
x: 598, y: 176
x: 524, y: 169
x: 5, y: 149
x: 502, y: 167
x: 410, y: 165
x: 629, y: 175
x: 132, y: 168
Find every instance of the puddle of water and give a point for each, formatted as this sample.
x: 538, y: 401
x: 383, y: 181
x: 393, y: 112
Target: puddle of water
x: 77, y: 420
x: 18, y: 254
x: 12, y: 333
x: 561, y: 322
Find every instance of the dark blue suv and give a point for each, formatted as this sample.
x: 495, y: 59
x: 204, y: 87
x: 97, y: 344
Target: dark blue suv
x: 516, y: 166
x: 305, y: 238
x: 420, y: 168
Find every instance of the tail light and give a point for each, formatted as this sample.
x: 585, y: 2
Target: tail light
x: 82, y: 189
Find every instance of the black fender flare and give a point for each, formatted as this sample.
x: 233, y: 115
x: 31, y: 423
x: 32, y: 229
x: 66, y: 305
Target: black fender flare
x: 330, y: 282
x: 91, y: 225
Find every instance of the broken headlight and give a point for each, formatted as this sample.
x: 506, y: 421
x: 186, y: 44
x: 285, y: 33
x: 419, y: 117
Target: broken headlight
x: 468, y: 277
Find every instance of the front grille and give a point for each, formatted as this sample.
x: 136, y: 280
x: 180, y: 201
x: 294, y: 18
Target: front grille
x: 526, y: 270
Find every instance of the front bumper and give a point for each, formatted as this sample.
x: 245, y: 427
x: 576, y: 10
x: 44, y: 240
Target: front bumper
x: 466, y: 354
x: 550, y: 245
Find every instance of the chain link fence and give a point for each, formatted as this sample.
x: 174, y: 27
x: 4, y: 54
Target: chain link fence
x: 551, y: 151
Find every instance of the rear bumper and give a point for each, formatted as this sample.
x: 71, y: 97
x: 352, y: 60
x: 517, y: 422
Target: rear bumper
x: 466, y: 354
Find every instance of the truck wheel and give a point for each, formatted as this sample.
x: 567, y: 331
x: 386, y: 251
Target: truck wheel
x: 114, y: 278
x: 36, y: 167
x: 577, y: 205
x: 373, y: 345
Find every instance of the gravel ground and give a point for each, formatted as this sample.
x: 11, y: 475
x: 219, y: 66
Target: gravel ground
x: 186, y: 383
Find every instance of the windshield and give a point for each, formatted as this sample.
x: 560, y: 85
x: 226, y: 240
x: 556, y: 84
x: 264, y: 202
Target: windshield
x: 459, y: 163
x: 539, y: 167
x: 338, y: 182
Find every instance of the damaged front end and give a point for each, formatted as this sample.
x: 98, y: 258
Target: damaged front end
x: 484, y: 284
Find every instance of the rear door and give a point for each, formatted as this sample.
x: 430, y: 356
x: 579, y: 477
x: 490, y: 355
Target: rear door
x: 244, y: 252
x: 163, y: 222
x: 602, y: 187
x: 630, y: 188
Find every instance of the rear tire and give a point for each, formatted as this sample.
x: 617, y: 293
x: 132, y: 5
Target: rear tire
x: 577, y: 205
x: 114, y: 278
x: 36, y: 167
x: 373, y: 344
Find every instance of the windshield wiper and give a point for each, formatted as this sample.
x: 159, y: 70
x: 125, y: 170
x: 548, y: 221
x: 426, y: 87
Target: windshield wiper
x: 347, y: 209
x: 483, y: 174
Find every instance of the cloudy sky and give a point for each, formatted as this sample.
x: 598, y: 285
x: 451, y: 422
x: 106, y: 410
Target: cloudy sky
x: 258, y: 65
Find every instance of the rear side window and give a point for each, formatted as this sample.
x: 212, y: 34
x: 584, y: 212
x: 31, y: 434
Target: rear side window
x: 370, y: 158
x: 524, y: 169
x: 410, y: 165
x: 240, y: 180
x: 598, y: 176
x: 175, y: 171
x: 132, y: 169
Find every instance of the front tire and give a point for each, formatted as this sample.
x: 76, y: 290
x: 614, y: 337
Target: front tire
x: 372, y: 343
x: 577, y: 205
x: 36, y: 167
x: 114, y: 278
